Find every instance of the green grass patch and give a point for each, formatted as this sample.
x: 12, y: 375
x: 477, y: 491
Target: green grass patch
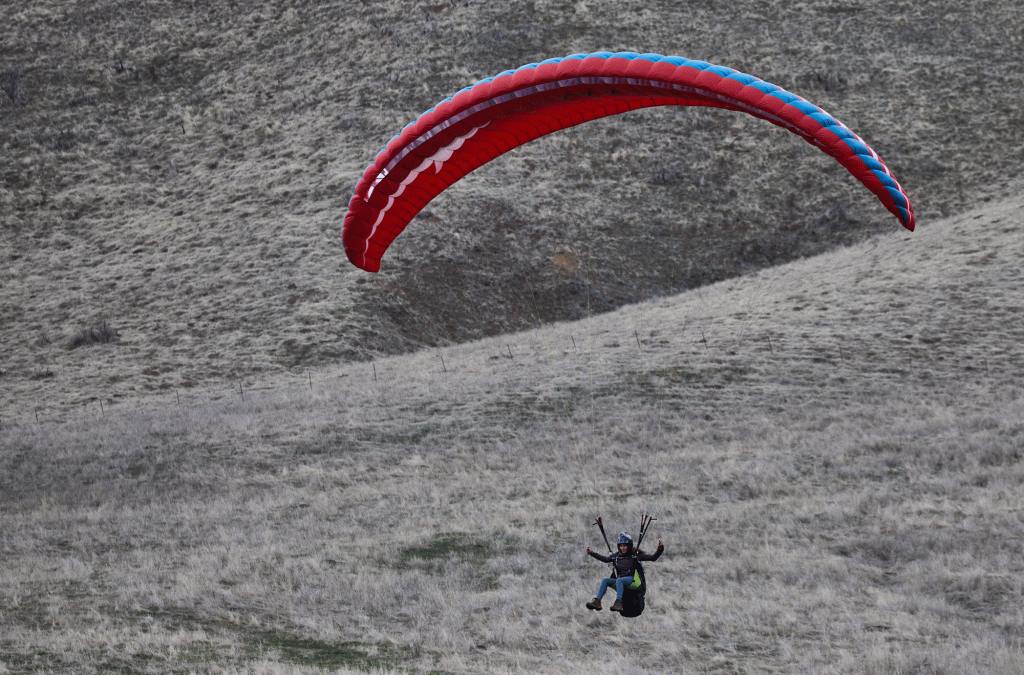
x: 448, y: 545
x: 448, y: 549
x: 315, y: 653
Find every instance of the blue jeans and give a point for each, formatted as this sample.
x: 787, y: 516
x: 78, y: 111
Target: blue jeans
x: 620, y: 584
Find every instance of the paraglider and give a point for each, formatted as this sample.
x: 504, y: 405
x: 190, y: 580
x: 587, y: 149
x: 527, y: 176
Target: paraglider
x: 628, y: 577
x: 515, y: 107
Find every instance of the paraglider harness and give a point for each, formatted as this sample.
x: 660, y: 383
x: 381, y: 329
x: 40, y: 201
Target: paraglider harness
x: 634, y: 597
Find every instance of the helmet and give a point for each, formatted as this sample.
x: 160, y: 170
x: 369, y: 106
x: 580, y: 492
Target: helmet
x: 625, y: 539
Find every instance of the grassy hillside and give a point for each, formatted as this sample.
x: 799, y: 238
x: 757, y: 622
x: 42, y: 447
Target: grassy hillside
x: 174, y: 174
x: 833, y: 450
x: 224, y: 449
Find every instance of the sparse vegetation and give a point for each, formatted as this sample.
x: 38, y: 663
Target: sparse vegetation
x: 823, y: 513
x: 10, y: 81
x: 833, y: 446
x: 98, y: 334
x: 187, y: 168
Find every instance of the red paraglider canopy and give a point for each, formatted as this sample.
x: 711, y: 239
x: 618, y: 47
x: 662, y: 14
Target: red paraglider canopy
x: 515, y: 107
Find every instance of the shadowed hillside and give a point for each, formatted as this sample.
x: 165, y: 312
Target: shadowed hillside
x: 174, y: 174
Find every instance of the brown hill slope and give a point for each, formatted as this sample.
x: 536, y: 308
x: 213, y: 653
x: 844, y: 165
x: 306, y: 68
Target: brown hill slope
x: 174, y: 175
x: 832, y: 448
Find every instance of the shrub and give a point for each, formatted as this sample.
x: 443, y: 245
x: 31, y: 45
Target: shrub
x: 99, y: 333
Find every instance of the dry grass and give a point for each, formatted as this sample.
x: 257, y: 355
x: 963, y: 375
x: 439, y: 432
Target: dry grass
x: 832, y: 448
x: 209, y: 482
x: 182, y: 170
